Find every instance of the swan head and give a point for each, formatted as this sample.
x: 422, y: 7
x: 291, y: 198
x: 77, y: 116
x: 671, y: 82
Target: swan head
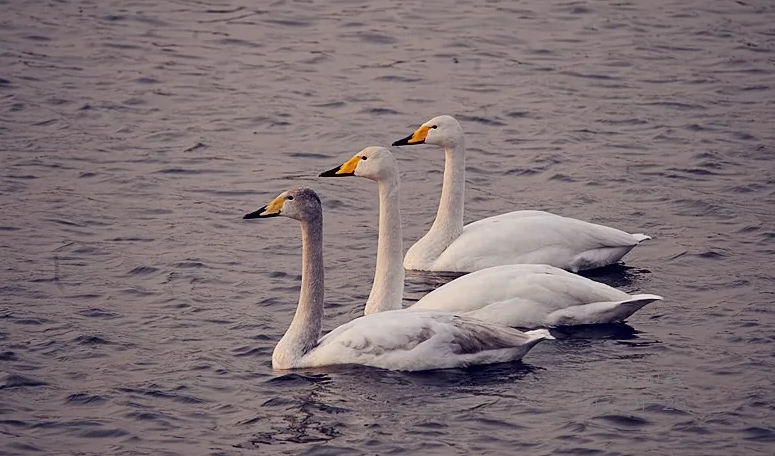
x: 374, y: 162
x: 299, y: 203
x: 443, y: 131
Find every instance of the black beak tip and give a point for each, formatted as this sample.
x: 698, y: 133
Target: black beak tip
x: 333, y: 173
x: 405, y: 141
x: 255, y: 214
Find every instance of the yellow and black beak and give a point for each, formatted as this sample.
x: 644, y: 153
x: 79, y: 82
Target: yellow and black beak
x: 346, y: 169
x: 270, y: 210
x: 418, y: 137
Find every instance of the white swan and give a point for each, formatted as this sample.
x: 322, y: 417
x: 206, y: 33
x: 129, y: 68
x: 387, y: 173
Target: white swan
x: 400, y: 340
x: 522, y: 295
x: 514, y: 237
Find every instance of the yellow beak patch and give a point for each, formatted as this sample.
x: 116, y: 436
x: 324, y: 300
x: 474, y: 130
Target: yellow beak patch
x: 275, y: 206
x: 419, y: 135
x: 349, y: 166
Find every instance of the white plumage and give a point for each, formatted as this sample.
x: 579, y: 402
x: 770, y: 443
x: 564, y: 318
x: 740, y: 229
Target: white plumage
x: 532, y: 295
x: 521, y: 295
x: 402, y: 340
x: 516, y: 237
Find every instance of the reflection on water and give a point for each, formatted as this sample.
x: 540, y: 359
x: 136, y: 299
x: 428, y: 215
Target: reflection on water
x: 615, y: 331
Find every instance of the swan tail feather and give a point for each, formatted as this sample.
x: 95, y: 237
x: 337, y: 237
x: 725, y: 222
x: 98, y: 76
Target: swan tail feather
x: 539, y: 334
x: 601, y: 312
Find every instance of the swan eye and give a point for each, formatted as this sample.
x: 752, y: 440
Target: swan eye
x: 289, y: 197
x: 364, y: 158
x: 435, y: 127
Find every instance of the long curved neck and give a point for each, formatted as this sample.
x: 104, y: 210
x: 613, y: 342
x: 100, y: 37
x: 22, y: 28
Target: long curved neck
x: 388, y: 289
x: 304, y: 332
x: 449, y: 218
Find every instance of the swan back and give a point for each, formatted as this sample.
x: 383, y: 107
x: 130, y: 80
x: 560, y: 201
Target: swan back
x: 415, y: 340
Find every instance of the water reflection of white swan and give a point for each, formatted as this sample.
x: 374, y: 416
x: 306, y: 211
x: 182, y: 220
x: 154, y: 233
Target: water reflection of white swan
x: 523, y: 295
x: 400, y: 340
x: 515, y: 237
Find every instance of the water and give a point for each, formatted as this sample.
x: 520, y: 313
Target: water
x: 139, y: 311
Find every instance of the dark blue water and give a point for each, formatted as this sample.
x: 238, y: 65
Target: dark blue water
x: 138, y: 311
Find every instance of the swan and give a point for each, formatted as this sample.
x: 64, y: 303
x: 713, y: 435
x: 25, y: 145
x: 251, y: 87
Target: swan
x: 526, y: 236
x: 521, y: 295
x: 401, y: 340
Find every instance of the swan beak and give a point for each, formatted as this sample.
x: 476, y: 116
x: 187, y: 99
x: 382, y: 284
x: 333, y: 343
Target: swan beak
x: 418, y: 137
x: 270, y: 210
x: 346, y: 169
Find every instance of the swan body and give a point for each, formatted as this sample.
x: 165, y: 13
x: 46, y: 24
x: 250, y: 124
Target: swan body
x: 521, y: 295
x: 529, y: 237
x: 413, y: 340
x: 516, y: 237
x: 532, y: 295
x: 403, y: 340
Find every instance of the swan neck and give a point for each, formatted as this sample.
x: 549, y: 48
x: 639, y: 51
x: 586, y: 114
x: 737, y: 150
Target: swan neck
x: 304, y: 332
x: 388, y: 288
x: 449, y: 218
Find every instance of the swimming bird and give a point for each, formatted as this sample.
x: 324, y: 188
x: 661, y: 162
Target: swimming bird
x: 521, y: 295
x: 400, y: 340
x: 526, y: 236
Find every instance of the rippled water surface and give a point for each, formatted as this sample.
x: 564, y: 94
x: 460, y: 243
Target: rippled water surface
x: 138, y: 310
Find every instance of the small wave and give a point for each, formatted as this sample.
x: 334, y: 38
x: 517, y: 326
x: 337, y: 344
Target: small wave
x: 759, y: 434
x: 309, y: 155
x: 190, y: 265
x: 562, y: 178
x: 147, y: 80
x: 379, y: 111
x: 283, y: 401
x: 102, y: 433
x: 483, y: 120
x: 8, y: 356
x: 371, y: 37
x: 143, y: 270
x: 157, y: 393
x: 248, y: 351
x: 288, y: 22
x: 19, y: 381
x: 154, y: 417
x: 92, y: 340
x: 84, y: 399
x: 691, y: 427
x: 624, y: 421
x: 392, y: 78
x: 675, y: 105
x: 189, y: 171
x: 332, y: 104
x: 298, y: 379
x: 131, y: 239
x: 237, y: 42
x: 30, y: 321
x: 606, y: 77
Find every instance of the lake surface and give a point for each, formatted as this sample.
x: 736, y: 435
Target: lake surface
x: 139, y: 311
